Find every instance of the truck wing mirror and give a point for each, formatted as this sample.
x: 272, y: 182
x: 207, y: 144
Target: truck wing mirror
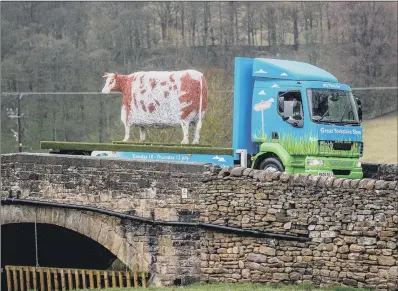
x: 281, y: 104
x: 359, y: 107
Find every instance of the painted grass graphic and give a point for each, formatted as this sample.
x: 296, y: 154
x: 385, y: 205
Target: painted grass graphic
x: 308, y: 145
x: 260, y: 137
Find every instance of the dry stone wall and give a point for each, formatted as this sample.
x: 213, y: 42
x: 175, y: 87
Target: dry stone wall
x: 388, y: 172
x: 352, y: 226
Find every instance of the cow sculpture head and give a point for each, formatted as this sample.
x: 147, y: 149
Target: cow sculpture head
x: 110, y: 83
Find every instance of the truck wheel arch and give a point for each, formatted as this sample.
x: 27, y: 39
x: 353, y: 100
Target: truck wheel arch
x: 272, y: 150
x: 272, y: 165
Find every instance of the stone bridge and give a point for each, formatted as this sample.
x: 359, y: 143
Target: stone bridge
x: 349, y: 228
x: 149, y: 190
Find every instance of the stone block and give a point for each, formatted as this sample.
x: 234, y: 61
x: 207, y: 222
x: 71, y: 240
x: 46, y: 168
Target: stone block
x: 350, y: 282
x: 338, y: 182
x: 385, y: 233
x: 387, y: 260
x: 72, y: 219
x: 329, y: 234
x: 116, y: 243
x: 237, y: 171
x: 280, y: 276
x: 258, y: 258
x: 246, y: 273
x: 247, y: 172
x: 393, y: 274
x: 380, y: 184
x: 354, y: 183
x: 329, y: 182
x: 366, y: 241
x: 325, y: 247
x: 284, y: 177
x: 287, y: 225
x: 392, y: 185
x: 357, y: 248
x: 267, y: 251
x: 294, y: 276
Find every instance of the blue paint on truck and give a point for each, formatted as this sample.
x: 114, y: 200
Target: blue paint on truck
x: 221, y: 160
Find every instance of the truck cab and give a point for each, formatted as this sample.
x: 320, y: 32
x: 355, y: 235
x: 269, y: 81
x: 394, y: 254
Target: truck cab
x: 295, y: 117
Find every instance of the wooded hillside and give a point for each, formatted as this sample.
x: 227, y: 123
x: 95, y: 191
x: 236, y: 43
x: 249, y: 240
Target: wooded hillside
x: 67, y: 46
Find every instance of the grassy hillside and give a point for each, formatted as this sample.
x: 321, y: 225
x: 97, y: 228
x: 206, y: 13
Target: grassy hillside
x: 380, y: 139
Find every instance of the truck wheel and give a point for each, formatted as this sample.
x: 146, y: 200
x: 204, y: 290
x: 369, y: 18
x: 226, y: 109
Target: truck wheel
x: 271, y: 165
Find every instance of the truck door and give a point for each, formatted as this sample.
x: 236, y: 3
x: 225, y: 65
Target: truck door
x: 289, y: 129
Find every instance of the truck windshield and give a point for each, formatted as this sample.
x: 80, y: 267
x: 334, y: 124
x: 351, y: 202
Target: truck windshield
x: 332, y: 106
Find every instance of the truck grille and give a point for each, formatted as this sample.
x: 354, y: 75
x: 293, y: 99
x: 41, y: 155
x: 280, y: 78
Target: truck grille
x: 341, y: 163
x: 342, y: 172
x: 340, y: 148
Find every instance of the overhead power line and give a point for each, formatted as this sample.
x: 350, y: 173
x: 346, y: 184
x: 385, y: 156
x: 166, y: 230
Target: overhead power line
x: 58, y: 93
x: 114, y: 93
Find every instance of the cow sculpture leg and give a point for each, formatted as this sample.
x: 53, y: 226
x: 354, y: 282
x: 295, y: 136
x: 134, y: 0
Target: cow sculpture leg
x: 142, y: 134
x: 185, y: 130
x: 126, y: 132
x: 126, y: 124
x: 197, y: 132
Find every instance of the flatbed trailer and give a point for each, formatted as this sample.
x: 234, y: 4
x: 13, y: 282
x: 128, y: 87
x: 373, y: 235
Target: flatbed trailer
x: 224, y: 157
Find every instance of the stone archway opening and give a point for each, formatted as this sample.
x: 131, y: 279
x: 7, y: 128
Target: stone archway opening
x: 57, y: 247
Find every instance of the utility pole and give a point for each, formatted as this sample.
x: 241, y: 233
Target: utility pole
x: 18, y: 115
x: 19, y: 122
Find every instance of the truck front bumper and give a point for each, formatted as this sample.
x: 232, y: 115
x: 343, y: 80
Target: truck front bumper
x: 348, y: 168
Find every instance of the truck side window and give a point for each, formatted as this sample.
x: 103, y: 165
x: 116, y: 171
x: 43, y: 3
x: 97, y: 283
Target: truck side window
x: 290, y: 107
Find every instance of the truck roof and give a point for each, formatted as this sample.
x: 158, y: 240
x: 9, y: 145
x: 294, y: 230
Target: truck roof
x: 290, y: 70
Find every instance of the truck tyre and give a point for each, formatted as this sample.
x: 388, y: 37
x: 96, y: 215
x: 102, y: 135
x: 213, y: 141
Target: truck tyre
x: 271, y: 165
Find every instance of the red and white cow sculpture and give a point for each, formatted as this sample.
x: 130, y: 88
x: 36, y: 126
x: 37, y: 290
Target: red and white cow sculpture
x: 160, y: 100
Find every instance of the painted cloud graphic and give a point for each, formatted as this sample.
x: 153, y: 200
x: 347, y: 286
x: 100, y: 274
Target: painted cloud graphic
x: 283, y: 74
x: 275, y: 86
x: 261, y: 92
x: 261, y: 71
x: 220, y: 159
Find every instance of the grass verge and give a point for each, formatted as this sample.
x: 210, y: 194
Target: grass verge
x: 244, y: 287
x: 380, y: 139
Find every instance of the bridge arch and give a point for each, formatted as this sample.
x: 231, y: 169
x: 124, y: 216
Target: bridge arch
x: 107, y: 231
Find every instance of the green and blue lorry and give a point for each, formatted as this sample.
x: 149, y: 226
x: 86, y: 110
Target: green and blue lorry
x: 287, y: 116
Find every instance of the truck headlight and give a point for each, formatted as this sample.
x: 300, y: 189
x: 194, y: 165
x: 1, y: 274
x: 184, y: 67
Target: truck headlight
x: 315, y: 162
x: 359, y: 164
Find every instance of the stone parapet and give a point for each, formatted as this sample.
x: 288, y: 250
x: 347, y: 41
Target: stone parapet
x: 352, y: 226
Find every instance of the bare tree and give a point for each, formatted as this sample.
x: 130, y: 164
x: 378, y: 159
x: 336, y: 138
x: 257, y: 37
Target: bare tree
x: 295, y: 20
x: 249, y: 18
x: 271, y: 20
x: 370, y: 25
x: 206, y: 21
x: 220, y: 23
x: 231, y: 15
